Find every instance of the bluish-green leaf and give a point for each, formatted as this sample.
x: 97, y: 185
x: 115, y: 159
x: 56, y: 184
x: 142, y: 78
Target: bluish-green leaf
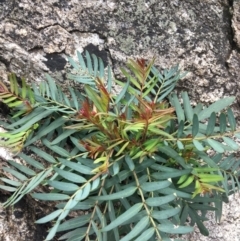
x: 74, y: 223
x: 123, y: 92
x: 89, y: 62
x: 57, y: 149
x: 230, y: 143
x: 97, y: 231
x: 180, y: 145
x: 35, y: 119
x: 73, y: 63
x: 111, y: 212
x: 165, y: 214
x: 165, y: 175
x: 35, y: 181
x: 187, y: 106
x: 129, y: 162
x: 139, y: 227
x: 231, y: 119
x: 7, y: 188
x: 178, y: 108
x: 11, y: 182
x: 109, y: 82
x: 223, y: 123
x: 52, y: 231
x: 198, y: 145
x: 70, y: 176
x: 76, y: 235
x: 15, y: 173
x: 52, y: 87
x: 180, y: 129
x: 74, y: 98
x: 215, y: 107
x: 195, y: 127
x: 47, y: 129
x: 81, y: 61
x: 63, y: 186
x: 43, y: 154
x: 146, y: 235
x: 174, y: 229
x: 197, y: 108
x: 31, y: 161
x: 123, y: 217
x: 121, y: 194
x: 154, y: 186
x: 215, y: 145
x: 63, y: 136
x: 95, y: 184
x: 211, y: 124
x: 49, y: 217
x: 86, y: 191
x: 50, y: 196
x: 76, y: 166
x: 22, y: 168
x: 172, y: 153
x: 158, y: 201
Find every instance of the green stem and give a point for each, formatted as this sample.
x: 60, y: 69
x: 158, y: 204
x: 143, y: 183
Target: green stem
x: 146, y: 207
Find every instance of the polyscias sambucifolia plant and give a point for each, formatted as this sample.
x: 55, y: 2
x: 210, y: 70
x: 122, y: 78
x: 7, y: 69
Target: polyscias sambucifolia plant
x: 137, y: 160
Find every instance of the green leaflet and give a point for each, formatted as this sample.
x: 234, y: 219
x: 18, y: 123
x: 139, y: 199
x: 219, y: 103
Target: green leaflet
x: 43, y: 154
x: 22, y: 168
x: 31, y: 161
x: 64, y: 186
x: 123, y: 217
x: 158, y: 201
x: 146, y: 234
x: 187, y: 107
x: 174, y: 229
x: 172, y: 153
x: 7, y: 188
x: 76, y: 166
x: 230, y: 143
x: 17, y: 174
x: 70, y: 176
x: 231, y: 119
x: 223, y: 123
x: 11, y: 182
x: 175, y: 102
x: 112, y: 216
x: 35, y: 119
x: 57, y: 149
x: 121, y: 194
x: 50, y: 196
x: 165, y: 214
x: 49, y: 217
x: 215, y: 107
x: 198, y: 145
x: 123, y: 92
x: 154, y: 186
x: 211, y: 124
x: 215, y: 145
x: 74, y: 223
x: 195, y: 127
x: 53, y: 231
x: 141, y: 225
x: 97, y: 232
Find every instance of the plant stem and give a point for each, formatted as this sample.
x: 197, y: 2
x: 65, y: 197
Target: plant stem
x: 145, y: 206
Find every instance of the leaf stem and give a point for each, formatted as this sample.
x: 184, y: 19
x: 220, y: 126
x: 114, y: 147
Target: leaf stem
x: 145, y: 206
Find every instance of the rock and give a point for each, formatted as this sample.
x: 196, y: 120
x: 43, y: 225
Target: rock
x: 202, y: 36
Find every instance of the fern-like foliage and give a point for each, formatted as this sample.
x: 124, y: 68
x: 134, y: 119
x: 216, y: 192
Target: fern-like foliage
x: 137, y: 161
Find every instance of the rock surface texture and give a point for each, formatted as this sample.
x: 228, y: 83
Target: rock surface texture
x: 203, y: 36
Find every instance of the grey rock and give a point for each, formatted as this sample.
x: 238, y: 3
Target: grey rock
x: 202, y: 36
